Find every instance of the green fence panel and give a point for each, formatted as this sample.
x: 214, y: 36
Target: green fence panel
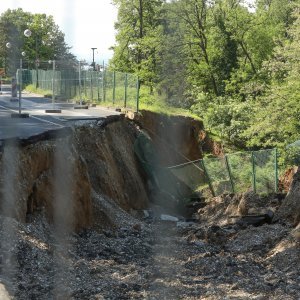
x: 193, y: 176
x: 241, y: 170
x: 120, y: 89
x: 235, y: 173
x: 265, y: 177
x: 219, y: 175
x: 108, y: 87
x: 131, y: 91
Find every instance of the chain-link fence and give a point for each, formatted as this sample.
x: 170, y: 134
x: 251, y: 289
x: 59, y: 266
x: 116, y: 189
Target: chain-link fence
x: 71, y: 82
x: 233, y: 173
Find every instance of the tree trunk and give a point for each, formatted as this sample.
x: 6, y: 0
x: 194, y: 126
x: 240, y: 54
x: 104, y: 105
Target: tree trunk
x: 141, y: 29
x: 248, y: 57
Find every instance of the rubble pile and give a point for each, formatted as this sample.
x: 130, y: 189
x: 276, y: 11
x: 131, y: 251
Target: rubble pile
x: 151, y: 257
x: 230, y: 247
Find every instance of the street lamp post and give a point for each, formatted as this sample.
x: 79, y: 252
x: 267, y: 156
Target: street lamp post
x: 93, y: 63
x: 53, y: 109
x: 80, y: 105
x: 27, y: 33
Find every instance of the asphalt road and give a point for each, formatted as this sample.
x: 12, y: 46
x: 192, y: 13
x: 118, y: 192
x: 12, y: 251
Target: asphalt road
x: 39, y: 121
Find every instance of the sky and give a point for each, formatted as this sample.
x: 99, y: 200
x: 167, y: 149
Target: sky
x: 85, y: 23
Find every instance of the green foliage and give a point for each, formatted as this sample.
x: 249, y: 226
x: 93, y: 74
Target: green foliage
x: 292, y: 155
x: 236, y: 69
x: 139, y: 32
x: 46, y: 42
x: 276, y: 121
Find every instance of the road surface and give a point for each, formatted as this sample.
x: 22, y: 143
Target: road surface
x: 39, y: 121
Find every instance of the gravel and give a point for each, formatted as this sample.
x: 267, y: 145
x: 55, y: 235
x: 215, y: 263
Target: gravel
x: 151, y: 259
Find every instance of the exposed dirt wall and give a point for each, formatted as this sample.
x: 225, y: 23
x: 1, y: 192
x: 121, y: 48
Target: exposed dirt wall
x: 96, y: 161
x: 28, y: 181
x: 290, y: 208
x: 112, y: 165
x: 177, y: 138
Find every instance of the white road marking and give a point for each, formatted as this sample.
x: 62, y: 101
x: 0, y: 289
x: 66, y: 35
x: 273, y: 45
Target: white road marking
x: 46, y: 121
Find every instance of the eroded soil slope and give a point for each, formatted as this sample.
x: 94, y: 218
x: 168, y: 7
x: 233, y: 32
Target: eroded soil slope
x: 109, y: 242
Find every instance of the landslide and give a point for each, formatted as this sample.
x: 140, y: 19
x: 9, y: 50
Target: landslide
x: 117, y: 250
x: 104, y: 175
x: 177, y: 139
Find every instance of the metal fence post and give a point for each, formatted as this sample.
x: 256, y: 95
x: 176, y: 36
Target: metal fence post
x: 79, y: 75
x: 276, y: 170
x: 253, y: 172
x: 98, y: 86
x: 103, y: 85
x: 137, y: 94
x: 53, y: 73
x: 91, y: 85
x: 230, y: 174
x: 84, y: 83
x: 20, y: 86
x: 114, y: 87
x: 208, y: 179
x: 125, y: 90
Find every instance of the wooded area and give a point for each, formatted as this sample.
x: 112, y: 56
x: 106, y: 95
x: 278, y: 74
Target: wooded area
x: 235, y: 67
x: 46, y: 43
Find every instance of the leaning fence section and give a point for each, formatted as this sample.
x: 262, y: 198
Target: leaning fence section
x: 74, y: 83
x: 233, y: 173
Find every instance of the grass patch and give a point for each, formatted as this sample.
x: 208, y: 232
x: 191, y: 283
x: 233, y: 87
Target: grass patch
x: 32, y: 89
x: 156, y: 103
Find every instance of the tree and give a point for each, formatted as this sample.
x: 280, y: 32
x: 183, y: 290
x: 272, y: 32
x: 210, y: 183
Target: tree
x: 276, y: 118
x: 138, y: 39
x: 46, y: 42
x: 199, y: 52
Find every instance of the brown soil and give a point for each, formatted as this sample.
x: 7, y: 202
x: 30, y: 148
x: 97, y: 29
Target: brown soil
x: 149, y: 259
x: 176, y: 138
x: 286, y: 179
x: 96, y: 160
x: 119, y: 251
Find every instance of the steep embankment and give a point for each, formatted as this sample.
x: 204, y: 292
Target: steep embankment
x: 94, y: 168
x: 177, y: 138
x: 89, y: 175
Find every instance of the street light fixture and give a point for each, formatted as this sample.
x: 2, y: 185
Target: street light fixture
x: 27, y: 33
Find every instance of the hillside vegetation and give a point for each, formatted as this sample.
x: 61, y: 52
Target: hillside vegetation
x: 235, y: 67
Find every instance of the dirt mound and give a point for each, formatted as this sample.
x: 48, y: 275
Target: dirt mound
x: 290, y: 208
x: 226, y: 208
